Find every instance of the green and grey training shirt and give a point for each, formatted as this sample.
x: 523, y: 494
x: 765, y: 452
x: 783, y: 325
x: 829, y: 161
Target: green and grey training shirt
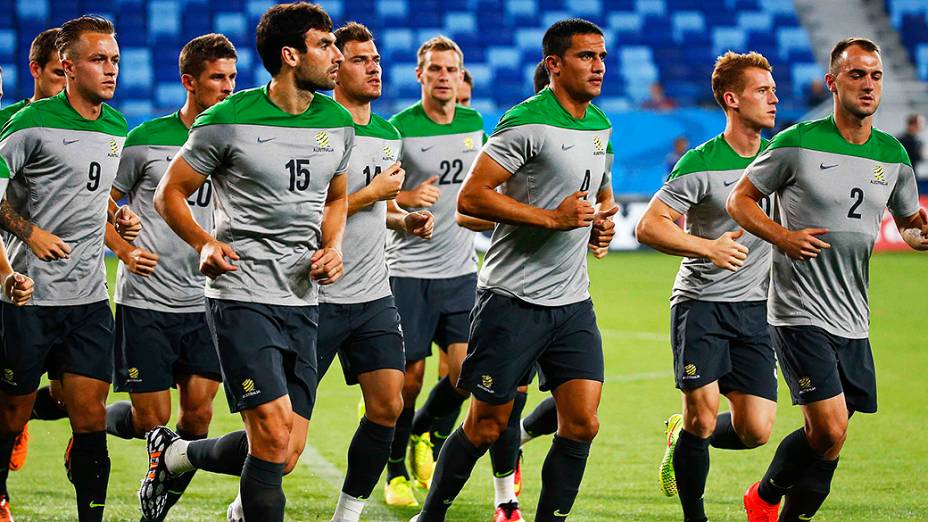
x: 551, y: 155
x: 698, y: 187
x: 177, y: 284
x: 7, y: 112
x: 376, y: 147
x: 270, y: 173
x: 447, y: 151
x: 61, y: 168
x: 822, y: 181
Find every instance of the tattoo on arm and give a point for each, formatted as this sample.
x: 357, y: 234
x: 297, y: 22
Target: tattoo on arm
x: 12, y: 222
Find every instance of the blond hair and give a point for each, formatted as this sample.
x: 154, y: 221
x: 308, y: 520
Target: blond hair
x: 438, y: 43
x: 728, y: 72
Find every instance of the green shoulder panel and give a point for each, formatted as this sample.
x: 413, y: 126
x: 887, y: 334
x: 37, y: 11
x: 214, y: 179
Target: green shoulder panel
x: 223, y: 113
x: 609, y: 148
x: 254, y: 107
x: 166, y: 130
x: 4, y: 169
x: 544, y: 109
x: 692, y: 161
x: 413, y: 122
x: 715, y: 155
x: 56, y: 113
x: 377, y: 128
x: 821, y: 135
x: 7, y: 112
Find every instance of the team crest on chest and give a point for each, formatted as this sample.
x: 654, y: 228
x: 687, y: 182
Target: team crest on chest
x: 114, y: 148
x: 879, y: 176
x: 322, y: 142
x: 598, y: 148
x: 469, y: 144
x: 388, y: 154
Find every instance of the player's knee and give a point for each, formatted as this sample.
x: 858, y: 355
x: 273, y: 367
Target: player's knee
x: 88, y: 416
x: 700, y: 424
x: 486, y: 430
x: 411, y: 389
x: 384, y: 410
x: 196, y: 419
x: 146, y: 419
x: 755, y: 433
x: 583, y: 428
x: 827, y: 439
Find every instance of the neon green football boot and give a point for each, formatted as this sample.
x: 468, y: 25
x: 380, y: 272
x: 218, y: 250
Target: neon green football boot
x: 668, y: 480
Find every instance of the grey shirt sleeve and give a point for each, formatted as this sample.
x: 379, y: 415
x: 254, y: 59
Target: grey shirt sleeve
x: 19, y: 147
x: 346, y: 159
x: 513, y: 147
x: 607, y: 174
x: 131, y: 168
x: 684, y: 192
x: 903, y: 201
x: 207, y: 147
x: 773, y: 169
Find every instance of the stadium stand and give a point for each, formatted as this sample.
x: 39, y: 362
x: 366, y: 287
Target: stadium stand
x: 910, y: 19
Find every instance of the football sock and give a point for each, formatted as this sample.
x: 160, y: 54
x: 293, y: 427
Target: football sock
x: 45, y: 407
x: 7, y: 442
x: 542, y: 420
x: 803, y: 501
x: 792, y: 460
x: 225, y: 455
x: 443, y: 400
x: 442, y: 428
x: 179, y: 484
x: 262, y: 492
x: 119, y: 420
x: 90, y: 473
x: 724, y: 436
x: 452, y: 470
x: 367, y: 456
x: 691, y: 468
x: 348, y: 509
x: 505, y: 451
x: 560, y: 478
x: 396, y: 465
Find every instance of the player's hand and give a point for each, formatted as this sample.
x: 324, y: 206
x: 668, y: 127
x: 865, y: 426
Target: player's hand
x: 419, y: 224
x: 213, y: 257
x: 128, y: 224
x: 388, y: 183
x: 326, y: 267
x: 726, y: 252
x: 915, y: 237
x: 423, y: 196
x: 598, y: 252
x: 804, y: 244
x: 18, y: 288
x: 603, y: 228
x: 574, y: 212
x: 140, y: 261
x: 47, y: 246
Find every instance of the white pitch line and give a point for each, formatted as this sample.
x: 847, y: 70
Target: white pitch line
x: 320, y: 466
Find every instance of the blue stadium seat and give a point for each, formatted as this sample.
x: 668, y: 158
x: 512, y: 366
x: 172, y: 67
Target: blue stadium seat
x: 684, y: 22
x: 7, y: 45
x: 503, y: 57
x: 521, y: 8
x: 392, y: 9
x: 625, y: 21
x: 170, y: 94
x: 403, y: 74
x: 231, y: 24
x: 459, y: 22
x: 10, y: 77
x: 803, y: 75
x: 755, y: 21
x: 655, y: 7
x: 790, y: 38
x: 136, y: 70
x: 921, y: 61
x: 36, y: 10
x: 529, y: 39
x: 728, y: 38
x: 164, y: 17
x: 585, y: 8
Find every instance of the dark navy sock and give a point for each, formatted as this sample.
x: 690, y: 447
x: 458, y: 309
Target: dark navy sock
x: 225, y: 455
x: 543, y: 419
x: 443, y: 400
x: 396, y: 465
x: 808, y: 495
x: 724, y: 436
x: 560, y: 478
x: 367, y: 456
x: 789, y: 464
x: 691, y: 468
x: 262, y: 490
x: 454, y: 466
x: 90, y: 474
x: 505, y: 451
x: 119, y: 421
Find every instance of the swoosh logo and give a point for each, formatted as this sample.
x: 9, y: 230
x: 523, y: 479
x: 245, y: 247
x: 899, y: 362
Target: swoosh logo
x: 168, y: 159
x: 447, y: 502
x: 805, y: 517
x: 265, y: 140
x: 557, y: 513
x: 824, y: 167
x: 426, y: 149
x: 95, y: 505
x: 503, y: 474
x: 68, y: 142
x: 729, y: 183
x: 565, y: 146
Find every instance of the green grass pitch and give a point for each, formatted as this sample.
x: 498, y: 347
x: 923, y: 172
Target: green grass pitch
x: 884, y: 454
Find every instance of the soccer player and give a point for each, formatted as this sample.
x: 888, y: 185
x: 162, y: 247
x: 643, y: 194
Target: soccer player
x: 47, y: 73
x: 465, y: 90
x: 63, y: 153
x: 358, y: 319
x: 276, y: 156
x: 718, y: 311
x: 433, y: 281
x: 833, y: 179
x: 534, y: 305
x: 162, y: 339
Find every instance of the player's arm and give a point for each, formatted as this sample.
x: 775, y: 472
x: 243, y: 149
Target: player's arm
x: 326, y: 263
x: 178, y: 183
x: 743, y: 207
x: 603, y: 227
x: 17, y: 287
x: 478, y: 197
x: 472, y: 223
x: 138, y: 260
x: 423, y: 195
x: 419, y: 223
x: 383, y: 187
x: 914, y: 229
x: 127, y: 223
x: 43, y: 244
x: 658, y: 229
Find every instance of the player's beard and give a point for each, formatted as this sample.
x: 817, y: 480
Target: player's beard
x: 313, y: 80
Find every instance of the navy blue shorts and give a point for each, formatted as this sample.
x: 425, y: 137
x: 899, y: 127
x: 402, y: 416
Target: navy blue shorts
x: 508, y: 336
x: 266, y: 352
x: 366, y: 337
x: 434, y: 310
x: 724, y: 342
x: 154, y: 349
x: 74, y: 339
x: 818, y: 365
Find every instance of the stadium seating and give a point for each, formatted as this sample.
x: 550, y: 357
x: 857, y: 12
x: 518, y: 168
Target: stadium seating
x: 910, y: 18
x: 671, y: 41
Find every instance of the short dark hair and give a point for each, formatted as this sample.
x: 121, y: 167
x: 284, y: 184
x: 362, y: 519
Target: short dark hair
x: 43, y: 46
x: 72, y: 30
x: 286, y: 25
x: 468, y: 78
x: 557, y: 38
x: 202, y: 50
x: 864, y: 43
x: 540, y: 79
x: 352, y: 32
